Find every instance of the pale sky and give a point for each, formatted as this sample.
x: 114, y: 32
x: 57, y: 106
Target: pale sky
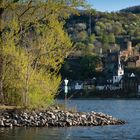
x: 112, y: 5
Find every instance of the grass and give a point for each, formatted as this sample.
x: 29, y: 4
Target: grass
x: 63, y: 106
x: 3, y: 107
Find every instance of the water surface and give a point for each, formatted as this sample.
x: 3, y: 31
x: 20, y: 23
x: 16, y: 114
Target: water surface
x: 128, y: 110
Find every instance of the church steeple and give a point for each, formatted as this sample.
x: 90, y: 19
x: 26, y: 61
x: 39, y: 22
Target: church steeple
x: 120, y: 68
x: 119, y: 61
x: 120, y: 71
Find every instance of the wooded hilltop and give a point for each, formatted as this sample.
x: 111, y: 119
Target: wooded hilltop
x: 95, y: 35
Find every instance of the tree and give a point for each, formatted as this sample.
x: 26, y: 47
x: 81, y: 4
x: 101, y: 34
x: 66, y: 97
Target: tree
x: 105, y: 39
x: 33, y: 46
x: 98, y: 30
x: 80, y: 26
x: 111, y: 38
x: 88, y: 66
x: 137, y: 32
x: 105, y: 42
x: 117, y: 28
x: 92, y: 38
x: 82, y: 36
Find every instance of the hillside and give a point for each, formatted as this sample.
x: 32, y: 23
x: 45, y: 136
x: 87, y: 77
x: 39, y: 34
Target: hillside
x: 95, y: 34
x: 134, y: 10
x: 103, y: 29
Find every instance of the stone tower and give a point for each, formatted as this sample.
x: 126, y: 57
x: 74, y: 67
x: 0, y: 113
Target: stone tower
x: 129, y: 48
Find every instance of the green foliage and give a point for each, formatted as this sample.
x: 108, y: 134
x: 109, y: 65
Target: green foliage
x: 117, y: 28
x: 80, y: 26
x: 43, y: 89
x: 33, y: 47
x: 88, y: 50
x: 98, y: 30
x: 81, y: 68
x: 82, y: 36
x: 137, y: 32
x: 109, y: 31
x: 119, y: 24
x: 88, y: 66
x: 80, y: 46
x: 16, y: 69
x: 111, y: 38
x: 134, y: 10
x: 105, y: 39
x: 92, y: 38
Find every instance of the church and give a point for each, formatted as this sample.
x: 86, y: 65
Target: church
x: 119, y: 72
x: 114, y: 74
x: 115, y: 77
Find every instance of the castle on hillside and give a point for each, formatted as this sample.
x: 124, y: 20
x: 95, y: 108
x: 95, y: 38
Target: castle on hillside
x: 131, y: 56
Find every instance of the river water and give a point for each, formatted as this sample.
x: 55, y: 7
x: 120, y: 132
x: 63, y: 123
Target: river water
x: 128, y: 110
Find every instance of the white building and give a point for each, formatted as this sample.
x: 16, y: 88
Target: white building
x: 120, y: 72
x: 78, y: 86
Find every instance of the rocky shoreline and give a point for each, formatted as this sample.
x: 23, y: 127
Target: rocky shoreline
x: 54, y: 117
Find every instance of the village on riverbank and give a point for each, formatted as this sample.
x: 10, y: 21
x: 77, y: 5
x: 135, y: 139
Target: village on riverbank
x: 52, y: 49
x: 119, y: 77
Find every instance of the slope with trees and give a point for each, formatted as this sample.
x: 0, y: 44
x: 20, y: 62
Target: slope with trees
x: 94, y: 30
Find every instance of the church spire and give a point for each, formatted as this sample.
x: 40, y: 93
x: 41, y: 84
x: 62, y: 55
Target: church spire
x: 119, y: 61
x: 120, y: 68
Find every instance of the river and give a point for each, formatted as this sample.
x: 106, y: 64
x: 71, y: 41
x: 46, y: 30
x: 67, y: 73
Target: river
x: 128, y: 110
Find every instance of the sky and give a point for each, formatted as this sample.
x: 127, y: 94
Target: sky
x: 112, y: 5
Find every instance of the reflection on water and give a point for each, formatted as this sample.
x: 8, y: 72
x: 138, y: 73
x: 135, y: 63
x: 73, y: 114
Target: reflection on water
x: 128, y: 110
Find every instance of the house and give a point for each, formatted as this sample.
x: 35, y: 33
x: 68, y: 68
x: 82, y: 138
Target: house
x: 78, y: 85
x: 130, y: 83
x: 113, y: 73
x: 133, y: 62
x: 100, y: 84
x: 89, y: 84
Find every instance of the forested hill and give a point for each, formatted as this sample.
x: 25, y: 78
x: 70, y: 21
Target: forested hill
x: 101, y: 24
x: 134, y: 10
x: 96, y: 33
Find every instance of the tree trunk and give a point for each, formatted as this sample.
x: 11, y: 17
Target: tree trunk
x: 1, y: 59
x: 27, y: 82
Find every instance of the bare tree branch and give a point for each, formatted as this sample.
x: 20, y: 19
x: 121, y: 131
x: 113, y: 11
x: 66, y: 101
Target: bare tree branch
x: 28, y: 8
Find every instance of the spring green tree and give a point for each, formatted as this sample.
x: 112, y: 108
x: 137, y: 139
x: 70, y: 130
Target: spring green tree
x: 33, y: 45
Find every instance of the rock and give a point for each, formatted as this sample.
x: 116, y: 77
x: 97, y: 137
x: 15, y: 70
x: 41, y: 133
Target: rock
x: 1, y: 123
x: 25, y: 115
x: 53, y: 116
x: 15, y: 116
x: 83, y: 116
x: 8, y: 125
x: 15, y: 122
x: 56, y: 118
x: 68, y: 123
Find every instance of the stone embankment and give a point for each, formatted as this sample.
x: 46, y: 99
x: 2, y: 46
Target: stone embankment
x: 55, y: 118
